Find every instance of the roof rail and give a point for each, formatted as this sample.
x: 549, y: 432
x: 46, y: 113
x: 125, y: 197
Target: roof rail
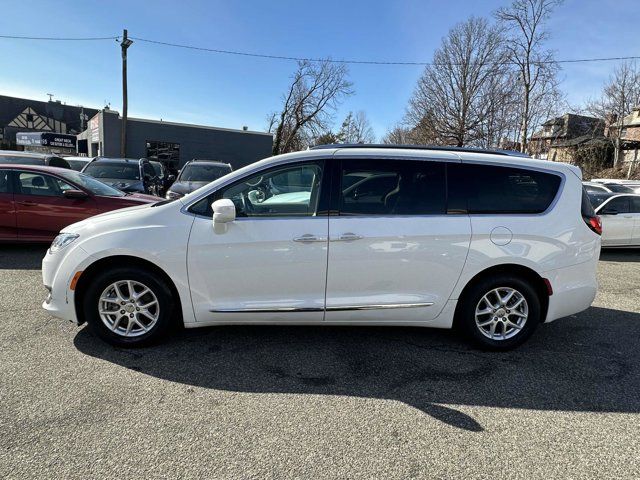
x: 441, y: 148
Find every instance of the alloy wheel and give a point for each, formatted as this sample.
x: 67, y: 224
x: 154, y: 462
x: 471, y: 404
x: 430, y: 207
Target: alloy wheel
x: 129, y: 308
x: 501, y: 313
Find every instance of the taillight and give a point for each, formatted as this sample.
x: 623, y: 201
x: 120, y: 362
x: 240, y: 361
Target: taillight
x: 594, y: 224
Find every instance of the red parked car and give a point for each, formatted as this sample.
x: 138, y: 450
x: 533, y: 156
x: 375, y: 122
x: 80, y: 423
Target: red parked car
x: 36, y: 202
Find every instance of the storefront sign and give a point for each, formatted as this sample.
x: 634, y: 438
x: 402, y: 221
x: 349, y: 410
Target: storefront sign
x: 46, y: 139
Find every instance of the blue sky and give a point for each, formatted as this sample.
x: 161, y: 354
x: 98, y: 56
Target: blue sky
x: 229, y: 91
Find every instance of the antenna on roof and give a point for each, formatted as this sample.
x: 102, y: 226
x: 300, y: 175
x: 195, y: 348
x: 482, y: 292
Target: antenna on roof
x: 50, y: 96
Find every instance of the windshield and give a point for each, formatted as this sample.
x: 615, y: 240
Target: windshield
x: 77, y: 165
x: 194, y: 172
x: 598, y: 199
x: 89, y: 183
x: 614, y: 187
x: 122, y: 171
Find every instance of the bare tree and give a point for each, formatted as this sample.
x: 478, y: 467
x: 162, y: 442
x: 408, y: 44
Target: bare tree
x: 356, y: 129
x: 398, y: 135
x: 525, y: 22
x: 317, y: 88
x: 449, y: 103
x: 621, y: 93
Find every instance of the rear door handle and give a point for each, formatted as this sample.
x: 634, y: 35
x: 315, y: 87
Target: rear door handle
x: 348, y: 237
x: 309, y: 238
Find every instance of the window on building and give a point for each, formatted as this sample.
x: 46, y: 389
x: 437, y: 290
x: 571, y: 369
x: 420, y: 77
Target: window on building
x: 166, y: 152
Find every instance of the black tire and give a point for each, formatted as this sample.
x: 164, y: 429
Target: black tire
x: 472, y: 298
x: 163, y: 295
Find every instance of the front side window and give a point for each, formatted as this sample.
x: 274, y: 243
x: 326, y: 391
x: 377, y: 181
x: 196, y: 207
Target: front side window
x: 291, y: 190
x: 491, y: 189
x: 392, y: 187
x: 616, y: 205
x: 41, y: 185
x: 148, y: 170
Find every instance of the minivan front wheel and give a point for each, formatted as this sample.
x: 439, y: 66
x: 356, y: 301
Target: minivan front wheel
x: 500, y: 312
x: 128, y: 307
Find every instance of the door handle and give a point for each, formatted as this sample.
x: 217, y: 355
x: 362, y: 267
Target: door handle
x: 348, y: 237
x: 309, y: 238
x: 27, y: 204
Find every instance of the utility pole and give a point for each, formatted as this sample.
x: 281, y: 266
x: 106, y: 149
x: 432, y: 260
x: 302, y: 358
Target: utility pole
x: 125, y: 44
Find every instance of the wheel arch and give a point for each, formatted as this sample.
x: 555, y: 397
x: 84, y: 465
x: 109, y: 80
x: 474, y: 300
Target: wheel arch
x: 101, y: 264
x: 521, y: 271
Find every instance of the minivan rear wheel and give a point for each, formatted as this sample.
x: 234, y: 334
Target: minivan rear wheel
x: 499, y: 312
x: 128, y: 307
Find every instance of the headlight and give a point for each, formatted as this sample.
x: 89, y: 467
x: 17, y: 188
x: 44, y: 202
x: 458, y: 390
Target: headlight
x: 173, y: 195
x: 62, y: 241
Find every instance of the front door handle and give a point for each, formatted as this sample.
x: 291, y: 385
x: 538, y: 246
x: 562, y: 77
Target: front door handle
x: 309, y: 238
x: 348, y: 237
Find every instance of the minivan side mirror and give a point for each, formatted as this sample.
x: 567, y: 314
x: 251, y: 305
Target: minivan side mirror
x: 608, y: 211
x: 224, y: 211
x: 76, y: 194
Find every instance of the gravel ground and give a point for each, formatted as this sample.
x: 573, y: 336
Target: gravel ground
x: 311, y: 402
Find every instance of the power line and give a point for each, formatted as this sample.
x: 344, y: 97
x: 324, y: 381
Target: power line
x: 58, y: 39
x: 307, y: 59
x: 361, y: 62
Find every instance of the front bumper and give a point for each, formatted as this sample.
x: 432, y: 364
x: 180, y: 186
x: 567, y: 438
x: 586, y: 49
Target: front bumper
x: 57, y: 272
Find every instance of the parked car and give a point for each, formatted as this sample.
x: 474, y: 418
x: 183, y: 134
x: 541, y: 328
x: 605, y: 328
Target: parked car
x: 607, y: 187
x: 37, y: 202
x: 78, y: 163
x: 166, y: 178
x: 620, y: 214
x: 196, y: 174
x: 126, y: 174
x: 633, y: 184
x: 32, y: 158
x: 492, y: 243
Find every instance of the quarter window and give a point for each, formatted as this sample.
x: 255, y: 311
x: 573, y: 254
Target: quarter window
x: 5, y: 180
x: 291, y: 190
x: 490, y: 189
x: 392, y: 187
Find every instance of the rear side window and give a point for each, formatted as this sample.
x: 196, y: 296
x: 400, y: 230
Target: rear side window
x: 490, y: 189
x: 635, y: 204
x: 392, y: 187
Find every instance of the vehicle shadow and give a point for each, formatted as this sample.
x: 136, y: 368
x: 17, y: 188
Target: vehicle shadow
x: 22, y: 257
x: 620, y: 254
x: 587, y: 362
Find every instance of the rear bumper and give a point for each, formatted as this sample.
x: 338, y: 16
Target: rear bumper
x: 574, y: 289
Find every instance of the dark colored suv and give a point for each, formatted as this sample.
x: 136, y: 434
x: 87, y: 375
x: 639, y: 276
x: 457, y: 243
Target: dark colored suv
x: 196, y: 174
x: 126, y: 174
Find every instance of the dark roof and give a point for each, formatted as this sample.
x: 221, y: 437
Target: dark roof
x: 11, y: 107
x: 211, y: 162
x: 421, y: 147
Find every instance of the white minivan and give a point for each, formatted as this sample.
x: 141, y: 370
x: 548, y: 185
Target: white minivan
x: 488, y: 242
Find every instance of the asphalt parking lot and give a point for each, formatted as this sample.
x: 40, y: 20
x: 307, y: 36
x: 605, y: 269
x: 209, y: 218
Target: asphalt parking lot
x: 311, y: 402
